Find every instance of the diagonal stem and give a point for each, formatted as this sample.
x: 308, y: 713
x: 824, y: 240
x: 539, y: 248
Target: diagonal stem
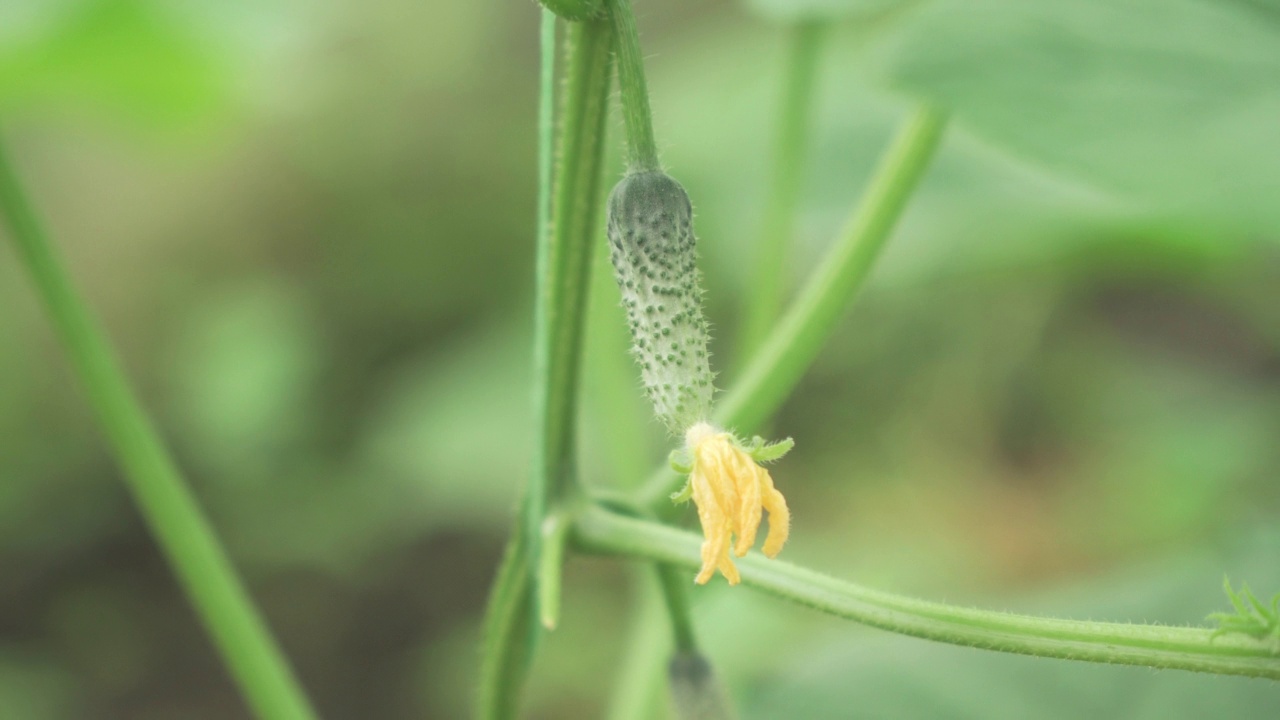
x: 770, y: 266
x: 175, y: 519
x: 799, y: 336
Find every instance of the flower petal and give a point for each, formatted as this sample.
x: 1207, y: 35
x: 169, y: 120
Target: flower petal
x: 747, y: 479
x: 714, y: 522
x: 732, y: 492
x: 779, y: 518
x: 727, y: 568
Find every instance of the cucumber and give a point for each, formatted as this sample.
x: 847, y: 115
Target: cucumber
x: 652, y: 247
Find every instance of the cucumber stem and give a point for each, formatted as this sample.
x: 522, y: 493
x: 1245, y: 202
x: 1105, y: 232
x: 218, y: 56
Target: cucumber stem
x: 635, y: 93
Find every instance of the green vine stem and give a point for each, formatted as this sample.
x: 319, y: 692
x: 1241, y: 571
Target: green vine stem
x: 1155, y: 646
x: 509, y: 630
x: 635, y: 93
x: 565, y: 244
x: 791, y: 144
x: 555, y: 533
x: 792, y: 346
x: 565, y: 238
x: 510, y: 633
x: 176, y: 521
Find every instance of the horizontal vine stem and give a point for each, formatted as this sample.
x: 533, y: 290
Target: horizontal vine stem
x: 774, y: 371
x: 1155, y: 646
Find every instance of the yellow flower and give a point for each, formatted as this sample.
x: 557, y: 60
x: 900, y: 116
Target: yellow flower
x: 732, y: 491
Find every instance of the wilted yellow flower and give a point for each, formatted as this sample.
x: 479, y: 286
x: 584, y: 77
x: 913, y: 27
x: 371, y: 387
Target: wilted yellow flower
x: 732, y: 490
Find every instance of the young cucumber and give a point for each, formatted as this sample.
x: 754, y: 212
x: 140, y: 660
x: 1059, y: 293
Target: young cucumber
x: 650, y: 227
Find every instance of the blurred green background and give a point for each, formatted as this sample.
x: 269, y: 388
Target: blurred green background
x: 307, y: 226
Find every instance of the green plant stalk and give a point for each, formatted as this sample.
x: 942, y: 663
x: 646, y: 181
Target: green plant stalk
x: 510, y: 633
x: 635, y: 93
x: 791, y: 145
x: 547, y: 300
x: 251, y: 655
x: 555, y: 532
x: 564, y: 270
x: 564, y: 258
x: 1155, y: 646
x: 800, y: 335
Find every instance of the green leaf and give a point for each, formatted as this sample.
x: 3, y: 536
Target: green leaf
x: 124, y: 57
x: 1252, y: 617
x: 1170, y: 104
x: 683, y: 495
x: 762, y: 453
x: 680, y: 461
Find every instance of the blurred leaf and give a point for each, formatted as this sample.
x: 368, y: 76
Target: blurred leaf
x: 445, y: 443
x: 979, y: 209
x: 122, y: 56
x: 101, y: 631
x: 820, y: 9
x: 1169, y: 102
x: 1163, y: 447
x: 458, y: 428
x: 982, y: 208
x: 32, y: 687
x: 245, y: 372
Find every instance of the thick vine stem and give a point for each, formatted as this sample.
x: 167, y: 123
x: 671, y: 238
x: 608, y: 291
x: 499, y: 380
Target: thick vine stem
x: 1155, y: 646
x: 564, y: 237
x: 565, y: 245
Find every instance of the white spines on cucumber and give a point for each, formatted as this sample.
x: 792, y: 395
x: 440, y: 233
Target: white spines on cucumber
x: 652, y: 246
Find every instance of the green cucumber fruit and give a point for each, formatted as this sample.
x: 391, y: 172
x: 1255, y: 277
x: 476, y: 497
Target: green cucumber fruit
x: 652, y: 246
